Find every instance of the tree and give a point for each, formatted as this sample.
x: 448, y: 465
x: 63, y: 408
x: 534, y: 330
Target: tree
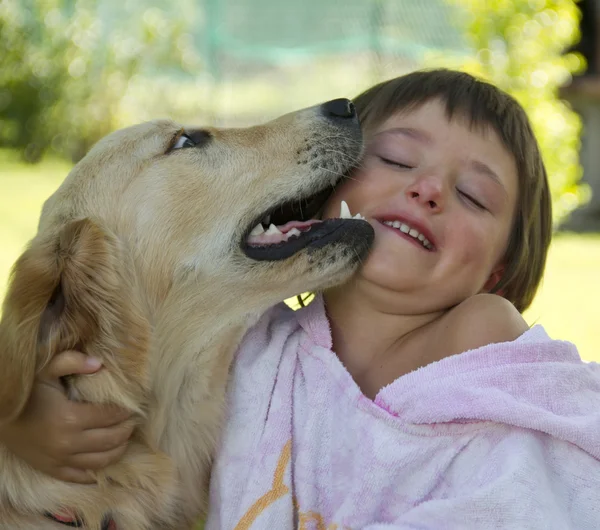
x: 520, y: 46
x: 64, y: 68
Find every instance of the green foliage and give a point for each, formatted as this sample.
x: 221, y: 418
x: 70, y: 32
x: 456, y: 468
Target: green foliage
x: 520, y: 46
x: 64, y: 69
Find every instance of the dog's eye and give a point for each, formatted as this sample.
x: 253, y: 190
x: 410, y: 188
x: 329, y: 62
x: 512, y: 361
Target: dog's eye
x: 194, y: 138
x: 183, y: 141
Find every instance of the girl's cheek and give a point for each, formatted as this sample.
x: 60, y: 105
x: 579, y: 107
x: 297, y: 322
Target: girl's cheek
x: 368, y: 164
x: 481, y: 243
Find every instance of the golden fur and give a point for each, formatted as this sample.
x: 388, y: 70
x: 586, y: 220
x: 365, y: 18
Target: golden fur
x: 138, y: 262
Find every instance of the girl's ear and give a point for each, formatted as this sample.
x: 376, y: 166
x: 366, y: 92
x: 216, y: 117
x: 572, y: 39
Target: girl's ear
x: 493, y: 279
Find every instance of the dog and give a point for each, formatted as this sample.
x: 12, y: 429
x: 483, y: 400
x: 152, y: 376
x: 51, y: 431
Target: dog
x: 159, y: 250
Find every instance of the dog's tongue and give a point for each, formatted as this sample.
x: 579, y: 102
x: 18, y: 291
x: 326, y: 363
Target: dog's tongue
x: 278, y: 234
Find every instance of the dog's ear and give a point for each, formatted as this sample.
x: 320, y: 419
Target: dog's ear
x: 65, y: 291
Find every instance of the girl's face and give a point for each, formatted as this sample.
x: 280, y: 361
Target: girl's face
x: 441, y: 198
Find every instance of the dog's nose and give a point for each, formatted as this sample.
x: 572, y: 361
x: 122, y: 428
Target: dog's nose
x: 339, y: 109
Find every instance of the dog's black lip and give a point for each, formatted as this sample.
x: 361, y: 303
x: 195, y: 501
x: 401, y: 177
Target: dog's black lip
x: 318, y: 236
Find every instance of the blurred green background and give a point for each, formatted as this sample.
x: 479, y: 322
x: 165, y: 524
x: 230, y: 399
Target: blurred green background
x: 73, y: 70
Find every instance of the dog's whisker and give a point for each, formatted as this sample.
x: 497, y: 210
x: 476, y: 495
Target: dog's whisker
x: 346, y: 156
x: 336, y: 173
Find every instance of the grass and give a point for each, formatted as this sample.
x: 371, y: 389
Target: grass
x: 23, y: 189
x: 566, y: 302
x: 565, y: 305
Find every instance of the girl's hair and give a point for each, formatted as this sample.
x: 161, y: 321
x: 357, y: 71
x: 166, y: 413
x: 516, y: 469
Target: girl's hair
x: 483, y: 105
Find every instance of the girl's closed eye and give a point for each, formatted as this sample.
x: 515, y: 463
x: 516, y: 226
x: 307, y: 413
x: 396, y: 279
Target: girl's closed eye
x: 395, y: 163
x: 467, y: 197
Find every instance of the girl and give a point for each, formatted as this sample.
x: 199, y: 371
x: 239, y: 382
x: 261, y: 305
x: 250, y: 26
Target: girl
x: 411, y: 397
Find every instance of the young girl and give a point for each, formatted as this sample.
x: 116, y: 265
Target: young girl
x: 410, y: 397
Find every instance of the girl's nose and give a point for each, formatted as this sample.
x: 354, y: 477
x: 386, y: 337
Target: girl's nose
x: 427, y: 191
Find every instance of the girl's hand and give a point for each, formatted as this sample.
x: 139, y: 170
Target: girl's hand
x: 64, y: 438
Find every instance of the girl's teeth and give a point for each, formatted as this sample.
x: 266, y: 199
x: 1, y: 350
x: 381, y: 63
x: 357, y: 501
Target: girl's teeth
x: 404, y: 228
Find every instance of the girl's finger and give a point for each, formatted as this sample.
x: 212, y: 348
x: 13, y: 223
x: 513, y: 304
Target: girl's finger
x: 68, y: 363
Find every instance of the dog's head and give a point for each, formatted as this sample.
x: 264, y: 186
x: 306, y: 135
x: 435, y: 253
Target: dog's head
x: 193, y: 202
x: 157, y: 207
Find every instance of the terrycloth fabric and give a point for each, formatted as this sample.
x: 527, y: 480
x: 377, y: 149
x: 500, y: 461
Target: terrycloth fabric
x: 503, y: 437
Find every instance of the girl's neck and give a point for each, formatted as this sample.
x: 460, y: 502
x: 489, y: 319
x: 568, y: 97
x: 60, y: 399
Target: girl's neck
x: 367, y: 329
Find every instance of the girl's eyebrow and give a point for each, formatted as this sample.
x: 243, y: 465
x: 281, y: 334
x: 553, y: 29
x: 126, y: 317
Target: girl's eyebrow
x: 415, y: 134
x: 483, y: 169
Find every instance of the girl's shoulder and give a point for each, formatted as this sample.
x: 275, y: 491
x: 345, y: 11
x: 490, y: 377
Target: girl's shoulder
x: 480, y: 320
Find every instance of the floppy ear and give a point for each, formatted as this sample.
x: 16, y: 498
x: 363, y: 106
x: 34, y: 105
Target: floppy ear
x: 67, y: 292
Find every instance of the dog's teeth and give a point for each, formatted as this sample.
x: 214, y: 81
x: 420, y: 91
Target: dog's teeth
x: 358, y: 216
x: 257, y: 230
x: 293, y: 232
x: 345, y: 211
x: 272, y: 230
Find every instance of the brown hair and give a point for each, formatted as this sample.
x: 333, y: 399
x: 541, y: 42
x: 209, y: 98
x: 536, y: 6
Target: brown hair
x: 483, y: 105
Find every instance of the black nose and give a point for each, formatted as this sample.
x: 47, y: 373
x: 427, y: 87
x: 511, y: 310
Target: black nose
x: 339, y: 109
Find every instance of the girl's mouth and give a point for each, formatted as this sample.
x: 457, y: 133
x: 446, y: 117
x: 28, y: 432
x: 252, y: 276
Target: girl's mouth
x: 409, y: 233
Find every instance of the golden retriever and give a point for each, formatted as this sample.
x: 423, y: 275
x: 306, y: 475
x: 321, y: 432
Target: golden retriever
x: 155, y: 255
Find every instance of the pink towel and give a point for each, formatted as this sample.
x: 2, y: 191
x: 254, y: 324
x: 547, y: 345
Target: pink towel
x: 502, y: 437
